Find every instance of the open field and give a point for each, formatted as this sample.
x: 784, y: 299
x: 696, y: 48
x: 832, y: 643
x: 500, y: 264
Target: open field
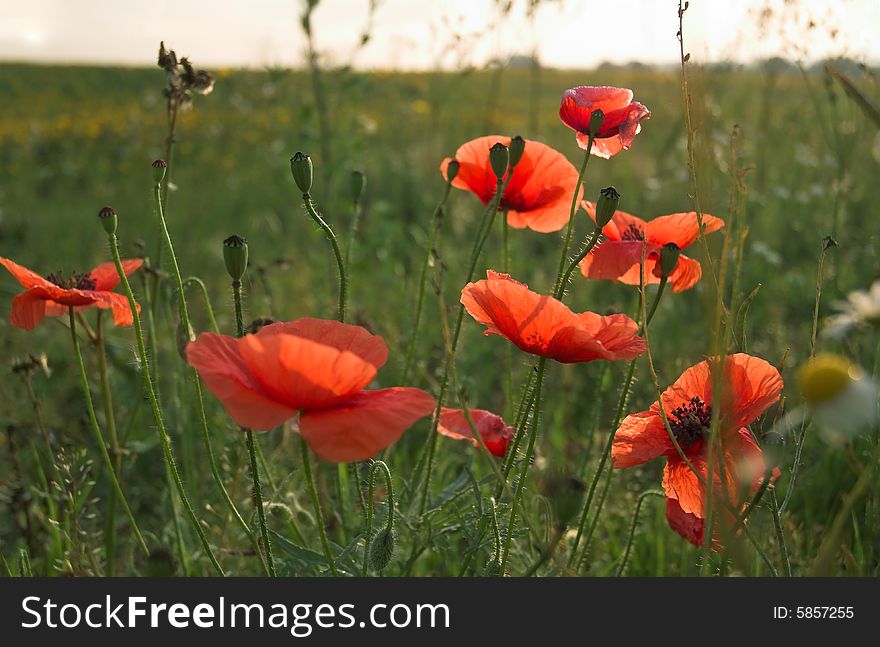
x: 74, y: 139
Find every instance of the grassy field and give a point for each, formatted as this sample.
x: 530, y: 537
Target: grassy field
x: 75, y: 139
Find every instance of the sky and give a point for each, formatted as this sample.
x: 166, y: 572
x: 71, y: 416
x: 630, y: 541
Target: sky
x: 424, y: 34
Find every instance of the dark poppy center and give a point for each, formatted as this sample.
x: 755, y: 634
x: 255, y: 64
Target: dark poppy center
x: 633, y: 232
x: 74, y: 282
x: 690, y: 422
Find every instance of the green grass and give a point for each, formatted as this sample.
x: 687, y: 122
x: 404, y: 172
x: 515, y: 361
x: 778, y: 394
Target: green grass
x: 74, y: 139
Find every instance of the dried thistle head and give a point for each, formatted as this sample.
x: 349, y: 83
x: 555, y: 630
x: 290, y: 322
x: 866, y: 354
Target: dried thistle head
x: 30, y: 364
x: 183, y: 79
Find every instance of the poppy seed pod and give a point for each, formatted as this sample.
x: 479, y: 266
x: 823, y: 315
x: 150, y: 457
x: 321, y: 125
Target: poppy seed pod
x: 499, y: 158
x: 452, y: 170
x: 108, y: 219
x: 357, y: 184
x: 516, y: 149
x: 235, y: 255
x: 301, y: 169
x: 606, y: 205
x: 160, y: 167
x: 669, y: 258
x: 382, y: 549
x: 597, y: 117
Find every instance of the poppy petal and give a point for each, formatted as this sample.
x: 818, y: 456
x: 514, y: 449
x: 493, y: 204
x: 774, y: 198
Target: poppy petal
x: 640, y: 438
x: 220, y: 366
x: 579, y: 103
x: 617, y: 333
x: 28, y: 309
x: 684, y: 523
x: 682, y: 484
x: 680, y: 228
x: 620, y: 222
x: 364, y: 423
x: 26, y: 277
x: 118, y: 305
x: 755, y: 384
x: 687, y: 274
x: 613, y: 260
x: 696, y: 381
x: 343, y: 337
x: 495, y: 434
x: 106, y: 277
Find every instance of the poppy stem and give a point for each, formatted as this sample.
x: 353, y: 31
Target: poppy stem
x: 204, y: 290
x: 588, y: 247
x: 657, y: 296
x: 433, y: 239
x: 340, y: 262
x: 99, y: 437
x: 389, y: 525
x: 505, y: 267
x: 269, y: 565
x: 164, y: 440
x: 559, y: 287
x: 316, y: 505
x: 621, y: 568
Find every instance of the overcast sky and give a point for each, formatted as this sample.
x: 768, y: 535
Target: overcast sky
x: 416, y: 34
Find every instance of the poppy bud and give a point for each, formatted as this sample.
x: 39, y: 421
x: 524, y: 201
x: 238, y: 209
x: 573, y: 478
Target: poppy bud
x: 358, y: 182
x: 381, y: 549
x: 596, y: 119
x: 452, y: 170
x: 108, y: 219
x: 301, y: 169
x: 499, y: 158
x: 606, y: 205
x: 160, y: 167
x: 669, y: 258
x: 235, y: 254
x: 184, y: 337
x: 516, y: 148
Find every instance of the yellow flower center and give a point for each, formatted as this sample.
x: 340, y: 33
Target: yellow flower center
x: 825, y: 376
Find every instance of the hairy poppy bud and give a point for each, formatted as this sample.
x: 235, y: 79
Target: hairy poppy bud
x: 452, y: 170
x: 301, y: 169
x: 596, y: 119
x: 606, y: 205
x: 160, y: 167
x: 235, y: 254
x: 516, y: 148
x: 499, y: 158
x: 669, y: 258
x: 381, y: 549
x: 108, y: 219
x: 357, y: 184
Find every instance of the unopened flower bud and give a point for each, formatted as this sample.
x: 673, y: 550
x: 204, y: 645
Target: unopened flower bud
x: 596, y: 119
x: 235, y: 254
x: 669, y: 258
x: 516, y: 149
x: 452, y: 170
x: 381, y: 549
x: 108, y: 219
x: 160, y: 167
x: 357, y: 184
x: 499, y: 158
x: 184, y: 337
x: 606, y: 205
x: 301, y: 169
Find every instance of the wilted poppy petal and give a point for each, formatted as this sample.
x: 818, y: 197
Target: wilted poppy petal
x: 680, y: 228
x: 23, y: 275
x: 684, y: 523
x: 343, y: 337
x: 495, y: 434
x: 301, y: 373
x: 364, y: 423
x: 28, y: 309
x: 640, y: 438
x: 106, y: 276
x: 218, y: 362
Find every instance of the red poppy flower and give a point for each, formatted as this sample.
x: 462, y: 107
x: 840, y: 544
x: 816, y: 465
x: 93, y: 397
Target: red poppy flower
x: 622, y: 117
x: 544, y: 326
x: 751, y: 386
x: 539, y: 194
x: 496, y: 435
x: 53, y: 295
x: 618, y: 256
x: 315, y: 368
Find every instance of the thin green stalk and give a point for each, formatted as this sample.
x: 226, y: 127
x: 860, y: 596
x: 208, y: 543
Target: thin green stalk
x: 780, y: 534
x: 352, y: 231
x: 621, y: 569
x: 505, y: 267
x: 389, y: 524
x: 316, y: 504
x: 154, y: 404
x: 340, y: 262
x: 559, y: 288
x: 433, y: 234
x: 101, y: 355
x: 99, y: 436
x: 204, y: 290
x: 252, y: 454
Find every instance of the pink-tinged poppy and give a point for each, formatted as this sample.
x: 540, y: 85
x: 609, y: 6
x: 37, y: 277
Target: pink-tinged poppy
x: 495, y: 434
x: 751, y: 385
x: 314, y: 369
x: 540, y: 192
x: 544, y: 326
x: 53, y: 295
x: 622, y: 117
x: 618, y: 256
